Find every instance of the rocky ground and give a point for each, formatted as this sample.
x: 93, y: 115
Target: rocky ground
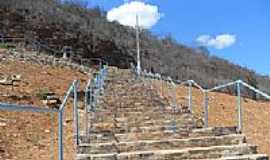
x: 134, y: 121
x: 27, y: 135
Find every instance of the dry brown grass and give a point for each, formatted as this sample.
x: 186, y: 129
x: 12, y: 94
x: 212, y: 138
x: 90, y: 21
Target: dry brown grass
x: 223, y: 112
x: 27, y: 135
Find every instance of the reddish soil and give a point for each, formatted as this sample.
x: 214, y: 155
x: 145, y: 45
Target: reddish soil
x: 223, y: 112
x: 27, y: 135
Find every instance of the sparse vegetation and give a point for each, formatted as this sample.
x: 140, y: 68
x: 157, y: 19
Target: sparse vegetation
x: 41, y: 93
x: 26, y: 135
x: 71, y: 23
x: 6, y: 46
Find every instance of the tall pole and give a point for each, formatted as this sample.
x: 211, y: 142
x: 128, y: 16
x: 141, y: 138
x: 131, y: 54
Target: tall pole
x: 138, y: 45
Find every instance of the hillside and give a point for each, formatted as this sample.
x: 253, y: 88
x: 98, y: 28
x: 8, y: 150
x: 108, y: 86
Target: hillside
x: 27, y: 135
x: 91, y: 35
x: 223, y: 112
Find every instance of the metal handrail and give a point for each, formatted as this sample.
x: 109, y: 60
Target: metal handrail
x: 222, y: 86
x: 34, y: 109
x: 197, y: 85
x: 28, y: 108
x: 191, y: 83
x: 255, y: 90
x: 72, y: 88
x: 93, y: 90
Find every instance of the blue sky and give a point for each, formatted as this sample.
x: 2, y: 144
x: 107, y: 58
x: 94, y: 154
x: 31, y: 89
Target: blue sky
x: 186, y: 20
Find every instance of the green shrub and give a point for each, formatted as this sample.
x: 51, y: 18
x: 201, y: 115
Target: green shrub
x: 42, y: 93
x: 7, y: 46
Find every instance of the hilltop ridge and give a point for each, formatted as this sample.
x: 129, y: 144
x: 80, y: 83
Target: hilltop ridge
x: 91, y: 35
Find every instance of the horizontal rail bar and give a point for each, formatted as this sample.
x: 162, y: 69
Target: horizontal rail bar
x: 25, y: 108
x: 254, y: 89
x: 178, y: 82
x: 222, y: 86
x: 182, y: 83
x: 197, y: 85
x: 173, y: 84
x: 68, y: 93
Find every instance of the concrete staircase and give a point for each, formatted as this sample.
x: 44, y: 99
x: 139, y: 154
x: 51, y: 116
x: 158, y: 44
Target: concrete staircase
x: 132, y: 122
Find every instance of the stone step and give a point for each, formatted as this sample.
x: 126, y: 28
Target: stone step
x: 245, y: 157
x: 180, y: 123
x: 140, y: 117
x: 180, y: 143
x: 162, y: 144
x: 143, y: 120
x: 217, y: 131
x: 155, y: 112
x: 131, y: 96
x: 131, y: 93
x: 140, y: 129
x: 184, y: 133
x: 149, y: 109
x: 98, y: 148
x: 136, y: 96
x: 213, y: 152
x: 129, y: 137
x: 158, y: 135
x: 107, y: 137
x: 130, y: 124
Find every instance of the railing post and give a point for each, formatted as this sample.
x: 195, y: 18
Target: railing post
x: 102, y: 81
x: 239, y: 108
x: 100, y: 64
x: 87, y: 100
x: 162, y: 88
x: 76, y: 114
x: 52, y: 136
x: 95, y: 87
x: 98, y: 83
x: 92, y: 98
x: 174, y: 96
x: 205, y: 109
x: 60, y: 136
x: 190, y: 96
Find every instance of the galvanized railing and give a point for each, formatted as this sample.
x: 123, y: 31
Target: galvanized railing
x: 34, y: 109
x: 93, y: 90
x: 191, y: 83
x: 72, y: 89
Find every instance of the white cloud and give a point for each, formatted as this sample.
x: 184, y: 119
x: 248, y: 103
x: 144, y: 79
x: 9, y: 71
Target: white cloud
x: 126, y: 14
x: 219, y: 42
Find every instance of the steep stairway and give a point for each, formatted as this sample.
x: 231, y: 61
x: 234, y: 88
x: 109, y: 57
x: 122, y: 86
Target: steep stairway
x: 133, y: 122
